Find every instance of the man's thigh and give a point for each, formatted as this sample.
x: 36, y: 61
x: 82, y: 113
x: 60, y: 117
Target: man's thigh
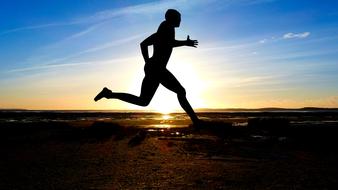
x: 169, y: 81
x: 149, y: 87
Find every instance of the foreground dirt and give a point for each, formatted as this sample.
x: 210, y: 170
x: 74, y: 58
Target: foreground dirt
x: 193, y: 160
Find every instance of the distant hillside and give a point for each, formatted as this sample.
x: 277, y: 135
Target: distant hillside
x: 12, y: 109
x: 266, y: 109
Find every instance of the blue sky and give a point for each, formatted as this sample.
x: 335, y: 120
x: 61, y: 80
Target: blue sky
x: 258, y: 53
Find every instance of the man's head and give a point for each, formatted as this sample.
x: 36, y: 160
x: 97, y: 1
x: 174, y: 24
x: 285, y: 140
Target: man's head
x: 173, y: 17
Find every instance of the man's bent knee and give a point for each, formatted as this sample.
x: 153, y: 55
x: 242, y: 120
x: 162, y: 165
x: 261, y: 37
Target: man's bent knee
x: 144, y: 103
x: 181, y: 92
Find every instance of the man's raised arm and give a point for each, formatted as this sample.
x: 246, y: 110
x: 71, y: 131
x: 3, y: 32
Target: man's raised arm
x: 188, y: 42
x: 144, y: 46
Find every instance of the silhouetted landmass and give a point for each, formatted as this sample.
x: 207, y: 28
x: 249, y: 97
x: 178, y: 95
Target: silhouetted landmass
x: 12, y: 109
x: 266, y: 109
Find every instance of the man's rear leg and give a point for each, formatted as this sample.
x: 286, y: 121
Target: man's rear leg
x: 148, y: 89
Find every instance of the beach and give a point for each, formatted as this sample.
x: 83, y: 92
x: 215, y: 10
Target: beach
x: 109, y: 150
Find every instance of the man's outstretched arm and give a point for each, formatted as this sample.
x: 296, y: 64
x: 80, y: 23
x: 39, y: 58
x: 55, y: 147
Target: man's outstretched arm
x: 188, y: 42
x: 144, y: 46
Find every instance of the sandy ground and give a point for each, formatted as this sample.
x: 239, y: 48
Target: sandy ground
x: 170, y: 159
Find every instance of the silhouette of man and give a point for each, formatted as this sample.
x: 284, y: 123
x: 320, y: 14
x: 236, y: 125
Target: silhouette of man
x: 155, y: 69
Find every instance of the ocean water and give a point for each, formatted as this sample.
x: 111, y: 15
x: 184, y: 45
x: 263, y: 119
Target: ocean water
x: 172, y: 120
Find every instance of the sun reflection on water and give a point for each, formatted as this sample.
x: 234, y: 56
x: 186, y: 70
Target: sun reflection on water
x: 166, y: 116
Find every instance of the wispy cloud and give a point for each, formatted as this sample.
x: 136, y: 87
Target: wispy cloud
x: 253, y: 2
x: 57, y: 62
x: 111, y: 44
x: 291, y: 35
x: 33, y: 27
x: 85, y: 31
x: 97, y: 48
x: 145, y: 8
x: 39, y: 67
x: 75, y: 35
x: 286, y: 36
x: 263, y: 41
x: 70, y: 64
x: 257, y: 80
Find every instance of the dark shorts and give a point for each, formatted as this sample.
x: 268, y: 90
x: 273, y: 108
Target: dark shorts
x: 155, y: 75
x: 153, y: 70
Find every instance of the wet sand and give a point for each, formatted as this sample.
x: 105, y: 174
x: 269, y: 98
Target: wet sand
x: 266, y: 152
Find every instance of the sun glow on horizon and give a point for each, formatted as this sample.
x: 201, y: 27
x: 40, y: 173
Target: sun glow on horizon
x: 164, y: 100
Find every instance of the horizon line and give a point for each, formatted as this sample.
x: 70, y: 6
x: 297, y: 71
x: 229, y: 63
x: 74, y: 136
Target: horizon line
x: 174, y: 111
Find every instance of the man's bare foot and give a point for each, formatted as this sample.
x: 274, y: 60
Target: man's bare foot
x: 103, y: 94
x: 198, y: 124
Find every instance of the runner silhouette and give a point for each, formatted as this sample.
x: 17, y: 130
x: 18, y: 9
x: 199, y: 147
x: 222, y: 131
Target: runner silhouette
x: 155, y: 69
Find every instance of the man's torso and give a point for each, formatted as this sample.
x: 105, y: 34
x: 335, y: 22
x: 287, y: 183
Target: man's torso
x: 163, y: 46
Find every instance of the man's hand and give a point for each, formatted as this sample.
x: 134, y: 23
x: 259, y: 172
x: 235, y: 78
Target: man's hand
x: 192, y: 43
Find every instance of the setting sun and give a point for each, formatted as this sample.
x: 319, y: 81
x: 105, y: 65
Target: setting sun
x: 165, y: 101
